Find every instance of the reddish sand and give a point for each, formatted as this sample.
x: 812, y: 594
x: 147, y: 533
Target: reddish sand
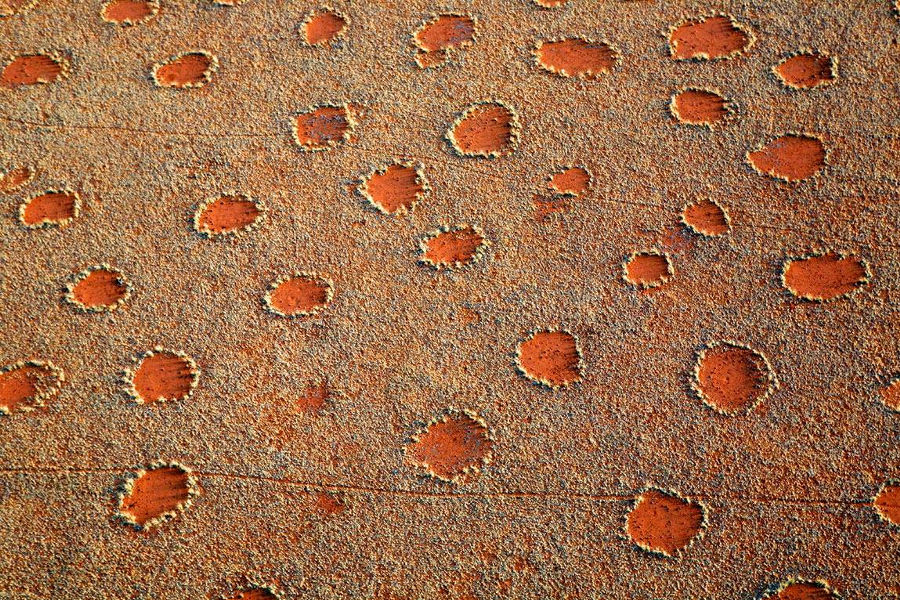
x: 300, y: 295
x: 164, y: 376
x: 227, y: 214
x: 550, y: 3
x: 803, y: 590
x: 576, y: 57
x: 699, y: 107
x: 30, y: 69
x: 888, y: 503
x: 100, y: 288
x: 710, y: 38
x: 127, y: 12
x: 445, y: 32
x: 573, y: 181
x: 550, y: 357
x: 314, y: 398
x: 706, y: 218
x: 394, y: 189
x: 789, y: 157
x: 648, y: 269
x: 157, y: 492
x: 50, y: 208
x: 806, y: 70
x: 253, y: 594
x: 663, y: 522
x: 453, y: 247
x: 732, y: 378
x: 330, y: 504
x: 890, y: 394
x: 322, y: 127
x: 26, y: 386
x: 323, y: 27
x: 191, y: 69
x: 486, y: 129
x: 824, y: 276
x: 15, y: 178
x: 451, y: 447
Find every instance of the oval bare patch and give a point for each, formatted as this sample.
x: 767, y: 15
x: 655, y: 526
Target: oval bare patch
x: 665, y: 523
x: 801, y: 589
x: 890, y: 394
x: 550, y: 357
x: 299, y: 295
x: 323, y: 127
x: 887, y: 502
x: 551, y: 3
x: 162, y: 376
x: 647, y: 269
x: 228, y: 215
x: 15, y: 178
x: 396, y: 188
x: 453, y: 247
x: 709, y: 38
x: 445, y: 32
x: 192, y: 69
x: 129, y: 12
x: 576, y: 57
x: 452, y: 446
x: 485, y: 129
x: 573, y: 181
x: 323, y: 27
x: 806, y: 70
x: 731, y: 378
x: 792, y: 157
x: 254, y: 593
x: 699, y: 107
x: 27, y: 384
x: 824, y: 276
x: 32, y: 69
x: 54, y: 208
x: 157, y: 494
x: 706, y: 217
x: 98, y: 288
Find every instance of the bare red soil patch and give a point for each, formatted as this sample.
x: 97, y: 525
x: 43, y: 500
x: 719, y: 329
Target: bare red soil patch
x: 49, y: 209
x: 709, y: 38
x: 156, y: 494
x: 887, y: 502
x: 31, y: 69
x: 732, y: 378
x: 824, y: 276
x: 550, y: 357
x: 664, y: 523
x: 314, y: 398
x: 705, y: 217
x: 186, y: 70
x: 229, y: 214
x: 444, y: 33
x: 299, y: 295
x: 394, y: 189
x: 129, y: 12
x: 453, y: 247
x: 26, y: 385
x: 330, y: 504
x: 647, y: 269
x: 98, y: 288
x: 256, y: 593
x: 574, y: 181
x: 791, y: 157
x: 799, y: 589
x: 699, y: 107
x: 485, y: 129
x: 323, y: 127
x: 576, y: 57
x: 322, y: 28
x: 452, y: 446
x: 15, y: 178
x: 551, y: 3
x: 890, y: 394
x: 162, y: 376
x: 807, y: 70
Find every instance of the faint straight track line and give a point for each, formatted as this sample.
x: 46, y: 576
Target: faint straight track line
x: 461, y: 494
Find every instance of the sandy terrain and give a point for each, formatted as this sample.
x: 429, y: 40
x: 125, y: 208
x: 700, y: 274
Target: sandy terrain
x: 482, y: 299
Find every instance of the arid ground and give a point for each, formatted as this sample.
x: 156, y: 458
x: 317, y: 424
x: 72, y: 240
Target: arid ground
x: 576, y: 299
